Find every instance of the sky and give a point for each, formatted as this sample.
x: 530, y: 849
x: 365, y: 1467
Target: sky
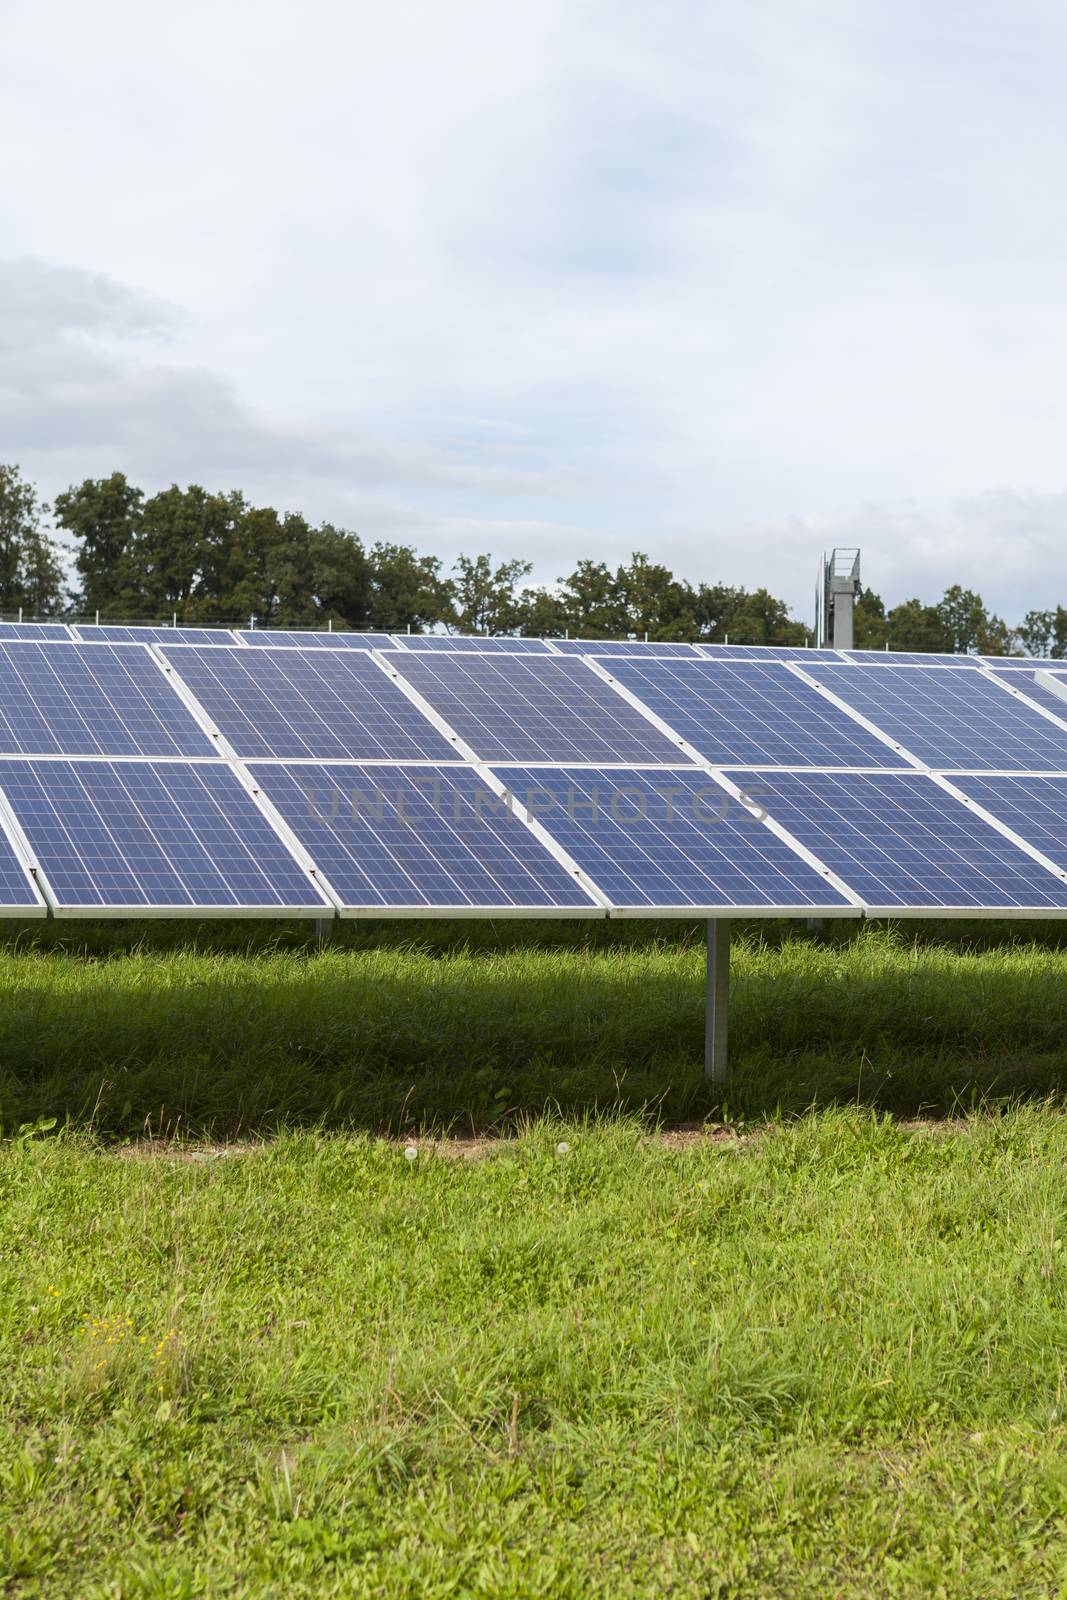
x: 726, y: 284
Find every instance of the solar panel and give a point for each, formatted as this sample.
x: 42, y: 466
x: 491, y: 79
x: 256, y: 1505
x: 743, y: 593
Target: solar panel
x: 907, y: 658
x: 1028, y: 684
x: 140, y: 836
x: 135, y: 633
x: 766, y: 652
x: 623, y: 647
x: 18, y: 897
x: 91, y: 699
x: 748, y: 713
x: 318, y: 704
x: 312, y: 639
x: 522, y: 708
x: 418, y: 837
x: 903, y: 843
x: 951, y: 719
x: 1019, y: 663
x: 484, y: 646
x: 42, y: 632
x: 1034, y: 808
x: 669, y: 839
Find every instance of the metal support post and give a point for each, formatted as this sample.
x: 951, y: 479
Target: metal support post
x: 717, y: 1018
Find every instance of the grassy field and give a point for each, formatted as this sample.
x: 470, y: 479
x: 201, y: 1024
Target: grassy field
x: 817, y: 1350
x: 226, y: 1031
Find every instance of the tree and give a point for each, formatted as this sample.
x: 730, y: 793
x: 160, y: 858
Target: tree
x: 31, y: 571
x: 340, y: 577
x: 1044, y: 633
x: 406, y: 590
x: 483, y: 597
x: 542, y: 614
x: 913, y: 626
x: 103, y: 516
x: 870, y: 629
x: 963, y: 616
x: 592, y: 603
x: 654, y: 601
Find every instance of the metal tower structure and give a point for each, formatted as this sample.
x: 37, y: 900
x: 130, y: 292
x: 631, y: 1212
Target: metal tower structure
x: 835, y: 593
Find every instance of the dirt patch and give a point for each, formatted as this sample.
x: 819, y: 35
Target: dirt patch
x: 478, y: 1147
x: 175, y: 1150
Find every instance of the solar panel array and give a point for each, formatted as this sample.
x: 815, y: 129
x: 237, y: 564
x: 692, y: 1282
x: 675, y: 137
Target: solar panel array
x: 170, y: 771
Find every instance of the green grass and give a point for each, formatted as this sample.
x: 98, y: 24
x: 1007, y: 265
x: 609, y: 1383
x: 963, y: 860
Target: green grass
x: 391, y: 1029
x: 820, y: 1354
x: 827, y: 1359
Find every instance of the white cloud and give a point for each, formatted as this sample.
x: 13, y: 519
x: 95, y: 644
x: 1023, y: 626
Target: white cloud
x: 721, y: 283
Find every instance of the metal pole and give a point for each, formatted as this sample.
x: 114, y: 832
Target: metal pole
x: 717, y: 1017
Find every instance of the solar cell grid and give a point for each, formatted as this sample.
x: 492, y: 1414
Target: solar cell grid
x: 902, y: 842
x: 17, y: 895
x: 91, y: 699
x: 668, y: 839
x: 1034, y: 808
x: 408, y: 837
x: 138, y: 834
x: 318, y: 704
x: 523, y: 708
x: 951, y: 719
x: 1027, y: 683
x: 135, y: 633
x: 42, y: 632
x: 435, y: 643
x: 623, y: 647
x: 766, y: 652
x: 748, y: 713
x: 907, y: 658
x: 1029, y: 664
x: 311, y: 639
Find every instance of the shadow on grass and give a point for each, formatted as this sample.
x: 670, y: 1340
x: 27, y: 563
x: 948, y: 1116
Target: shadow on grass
x: 229, y: 1029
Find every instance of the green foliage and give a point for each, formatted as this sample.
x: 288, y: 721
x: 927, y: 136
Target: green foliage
x: 870, y: 628
x: 483, y: 596
x: 31, y: 572
x: 1044, y: 633
x: 816, y: 1359
x: 805, y: 1350
x: 101, y: 516
x: 213, y: 558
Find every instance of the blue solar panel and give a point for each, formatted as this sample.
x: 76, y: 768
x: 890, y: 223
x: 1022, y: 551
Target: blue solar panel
x: 900, y: 841
x: 91, y: 699
x: 951, y: 719
x: 486, y: 646
x: 623, y: 647
x: 317, y: 704
x: 135, y: 633
x: 417, y: 837
x: 745, y: 713
x: 138, y: 834
x: 1020, y: 663
x: 766, y: 652
x: 1026, y: 683
x: 519, y: 708
x: 907, y: 658
x: 1034, y: 808
x: 667, y: 839
x: 41, y: 632
x: 311, y: 639
x: 17, y: 894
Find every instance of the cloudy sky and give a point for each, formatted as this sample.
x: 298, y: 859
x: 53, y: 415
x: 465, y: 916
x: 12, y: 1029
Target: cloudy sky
x: 725, y: 283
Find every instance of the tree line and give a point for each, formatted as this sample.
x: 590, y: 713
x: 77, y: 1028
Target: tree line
x: 215, y: 559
